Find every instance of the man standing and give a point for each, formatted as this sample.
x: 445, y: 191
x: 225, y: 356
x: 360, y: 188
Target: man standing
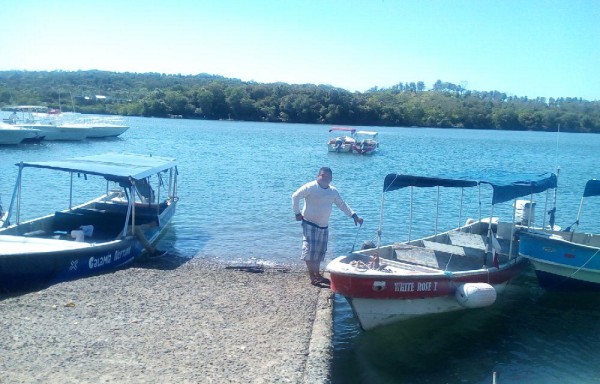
x: 319, y: 196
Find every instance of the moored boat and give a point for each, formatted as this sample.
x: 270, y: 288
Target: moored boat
x: 11, y: 135
x: 55, y: 125
x: 342, y: 139
x: 564, y: 259
x: 47, y: 121
x: 106, y: 233
x: 458, y: 269
x: 100, y: 126
x: 366, y: 143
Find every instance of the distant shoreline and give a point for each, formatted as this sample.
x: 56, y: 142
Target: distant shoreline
x: 210, y: 97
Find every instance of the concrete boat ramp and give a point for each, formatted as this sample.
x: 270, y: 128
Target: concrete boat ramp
x: 170, y: 320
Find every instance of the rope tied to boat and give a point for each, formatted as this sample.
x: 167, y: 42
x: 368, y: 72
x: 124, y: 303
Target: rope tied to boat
x: 584, y: 264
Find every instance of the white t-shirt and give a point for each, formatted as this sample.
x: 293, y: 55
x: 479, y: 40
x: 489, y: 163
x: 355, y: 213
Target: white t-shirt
x: 318, y: 202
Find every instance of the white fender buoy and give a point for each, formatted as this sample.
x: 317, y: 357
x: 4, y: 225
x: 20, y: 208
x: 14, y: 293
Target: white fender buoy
x: 475, y: 295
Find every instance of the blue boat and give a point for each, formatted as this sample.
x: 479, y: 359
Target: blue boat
x: 104, y: 234
x: 568, y: 259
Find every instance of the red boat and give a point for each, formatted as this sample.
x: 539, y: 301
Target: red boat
x: 366, y: 143
x: 463, y: 268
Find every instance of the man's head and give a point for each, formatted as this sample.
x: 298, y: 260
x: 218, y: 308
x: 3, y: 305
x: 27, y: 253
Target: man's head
x: 324, y: 177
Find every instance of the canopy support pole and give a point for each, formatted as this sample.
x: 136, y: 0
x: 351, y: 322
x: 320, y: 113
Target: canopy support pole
x: 15, y: 195
x: 411, y: 214
x: 437, y: 209
x: 512, y: 229
x: 577, y: 221
x: 380, y: 220
x: 71, y: 191
x: 488, y: 245
x: 545, y: 210
x: 462, y: 192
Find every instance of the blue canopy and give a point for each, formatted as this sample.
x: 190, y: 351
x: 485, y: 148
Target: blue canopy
x: 119, y: 167
x: 395, y: 181
x: 592, y: 188
x: 505, y: 187
x: 506, y: 190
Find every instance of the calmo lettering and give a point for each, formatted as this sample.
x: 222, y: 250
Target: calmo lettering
x: 96, y: 262
x: 122, y: 253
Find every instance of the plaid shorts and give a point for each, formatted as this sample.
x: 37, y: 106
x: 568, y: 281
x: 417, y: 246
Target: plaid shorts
x: 314, y: 241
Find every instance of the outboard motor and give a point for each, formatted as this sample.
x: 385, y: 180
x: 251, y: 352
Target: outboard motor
x: 525, y: 212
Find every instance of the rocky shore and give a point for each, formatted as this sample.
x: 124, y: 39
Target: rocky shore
x: 170, y: 321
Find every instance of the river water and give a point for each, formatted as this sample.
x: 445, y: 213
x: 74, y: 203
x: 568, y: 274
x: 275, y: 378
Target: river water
x: 235, y: 184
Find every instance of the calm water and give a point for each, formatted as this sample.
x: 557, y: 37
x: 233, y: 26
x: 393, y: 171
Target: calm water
x: 235, y: 185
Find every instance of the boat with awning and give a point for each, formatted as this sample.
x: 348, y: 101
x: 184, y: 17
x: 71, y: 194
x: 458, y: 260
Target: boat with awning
x: 138, y: 199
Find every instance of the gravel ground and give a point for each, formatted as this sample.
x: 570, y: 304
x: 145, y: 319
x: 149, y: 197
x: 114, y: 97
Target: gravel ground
x: 167, y: 321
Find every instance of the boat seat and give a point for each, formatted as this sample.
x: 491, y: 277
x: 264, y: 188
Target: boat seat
x: 416, y: 255
x: 469, y: 240
x: 447, y: 248
x: 105, y: 226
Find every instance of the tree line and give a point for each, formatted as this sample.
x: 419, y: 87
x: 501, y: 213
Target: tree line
x: 203, y: 96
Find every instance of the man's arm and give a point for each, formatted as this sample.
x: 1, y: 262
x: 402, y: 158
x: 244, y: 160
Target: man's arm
x: 341, y: 204
x: 300, y: 194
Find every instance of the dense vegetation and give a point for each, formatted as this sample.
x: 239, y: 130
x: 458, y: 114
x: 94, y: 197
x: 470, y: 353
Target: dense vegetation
x: 214, y: 97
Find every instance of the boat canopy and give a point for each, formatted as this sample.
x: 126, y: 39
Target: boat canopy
x: 395, y: 181
x: 343, y: 129
x: 525, y: 184
x: 25, y: 108
x: 119, y: 167
x: 505, y: 187
x: 370, y: 133
x: 592, y: 188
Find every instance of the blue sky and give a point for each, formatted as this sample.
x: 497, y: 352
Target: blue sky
x: 525, y: 48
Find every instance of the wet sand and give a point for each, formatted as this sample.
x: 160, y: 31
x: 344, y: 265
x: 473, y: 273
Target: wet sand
x: 169, y: 321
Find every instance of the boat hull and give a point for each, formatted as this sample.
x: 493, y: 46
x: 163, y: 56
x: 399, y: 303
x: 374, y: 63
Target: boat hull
x: 21, y: 271
x: 60, y: 133
x: 373, y: 313
x: 559, y: 263
x: 14, y: 135
x: 30, y: 262
x: 378, y: 299
x: 104, y: 131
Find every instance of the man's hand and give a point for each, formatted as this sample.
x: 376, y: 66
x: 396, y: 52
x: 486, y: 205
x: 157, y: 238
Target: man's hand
x: 299, y: 217
x: 357, y: 220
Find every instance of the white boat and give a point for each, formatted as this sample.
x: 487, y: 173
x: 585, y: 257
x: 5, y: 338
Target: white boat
x: 366, y: 143
x: 341, y: 140
x: 103, y: 127
x: 103, y: 234
x: 459, y: 269
x: 66, y: 132
x: 564, y: 259
x: 47, y: 121
x: 11, y: 135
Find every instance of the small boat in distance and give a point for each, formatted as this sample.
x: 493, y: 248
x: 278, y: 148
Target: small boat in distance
x: 366, y: 143
x: 104, y: 234
x: 463, y: 268
x: 564, y: 259
x: 342, y: 139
